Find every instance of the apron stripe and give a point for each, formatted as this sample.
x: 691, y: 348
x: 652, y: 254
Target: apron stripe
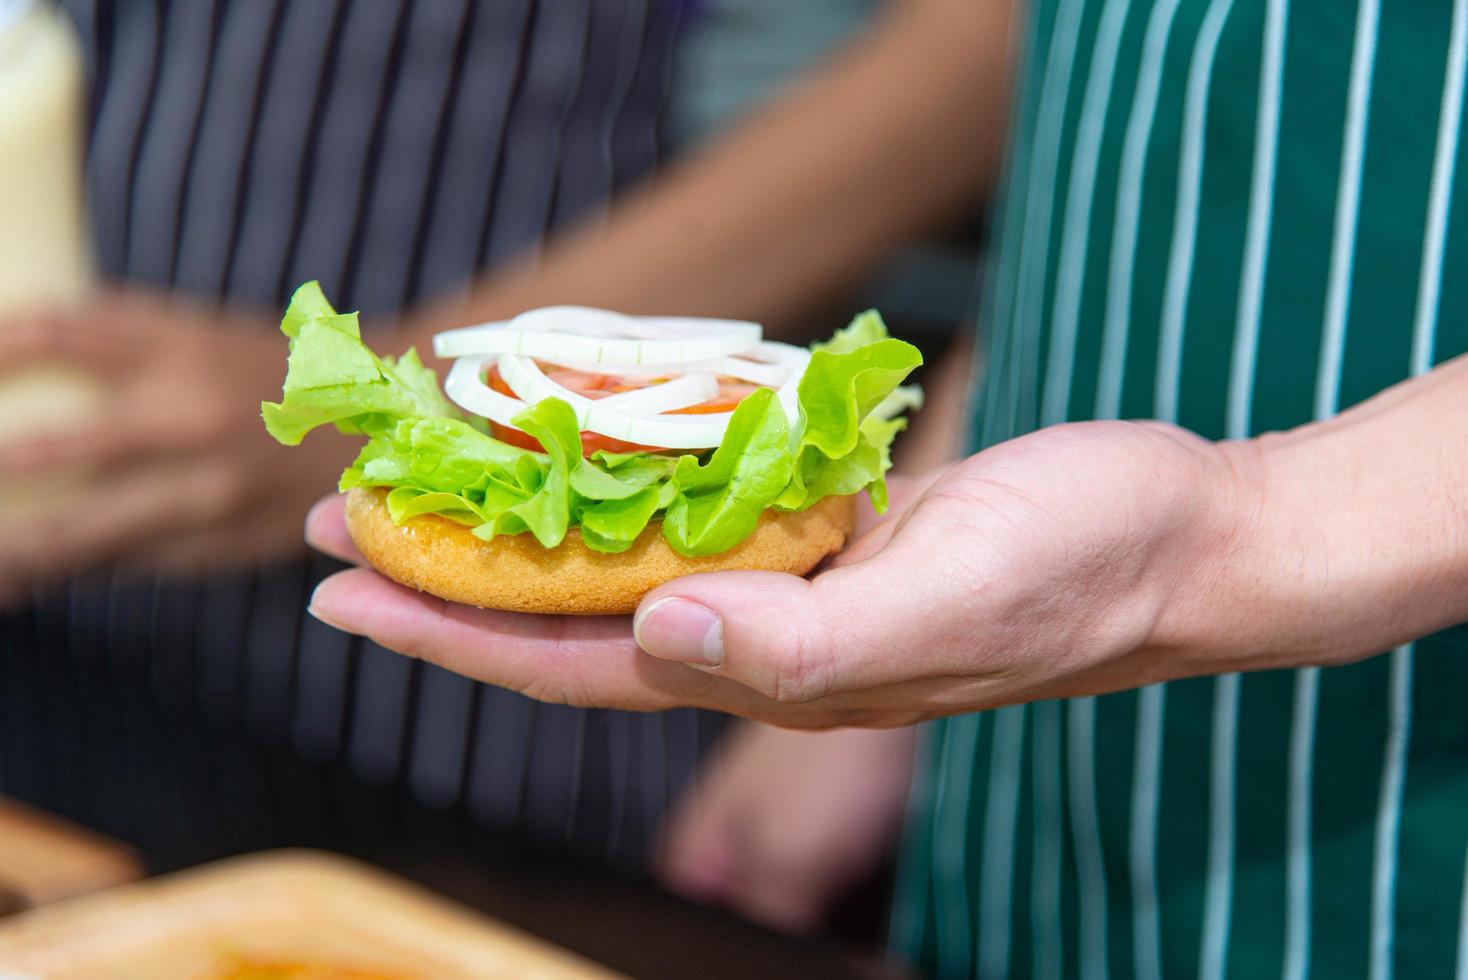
x: 1033, y: 249
x: 1185, y: 221
x: 170, y: 139
x: 911, y: 907
x: 1045, y: 887
x: 1086, y: 832
x: 1129, y: 207
x: 950, y: 848
x: 210, y: 226
x: 1393, y: 778
x: 1001, y: 816
x: 1054, y: 97
x: 1261, y: 219
x: 1076, y: 236
x: 1297, y: 869
x: 121, y: 124
x: 1142, y: 848
x: 1147, y: 775
x: 1348, y: 203
x: 1260, y: 244
x: 1000, y: 299
x: 1218, y: 897
x: 1179, y: 276
x: 1389, y: 815
x: 1076, y: 232
x: 1327, y: 396
x: 1434, y: 244
x: 1463, y: 927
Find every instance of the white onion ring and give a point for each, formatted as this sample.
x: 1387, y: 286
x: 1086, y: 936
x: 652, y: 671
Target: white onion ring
x: 772, y: 369
x: 741, y: 367
x: 778, y: 357
x: 466, y: 388
x: 600, y: 337
x: 684, y: 392
x: 527, y: 380
x: 610, y: 343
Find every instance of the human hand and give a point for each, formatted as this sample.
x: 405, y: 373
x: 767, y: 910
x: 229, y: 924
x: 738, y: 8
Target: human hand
x: 1076, y: 560
x: 777, y: 823
x: 177, y: 472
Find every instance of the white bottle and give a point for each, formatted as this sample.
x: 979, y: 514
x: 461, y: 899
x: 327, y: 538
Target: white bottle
x: 44, y: 258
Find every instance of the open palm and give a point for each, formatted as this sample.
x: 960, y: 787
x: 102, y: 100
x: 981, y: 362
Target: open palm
x: 1041, y: 567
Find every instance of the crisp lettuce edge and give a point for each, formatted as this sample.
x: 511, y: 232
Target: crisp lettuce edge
x: 433, y: 459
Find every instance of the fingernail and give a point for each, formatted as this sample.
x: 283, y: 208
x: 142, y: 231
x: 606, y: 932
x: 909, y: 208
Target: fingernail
x: 681, y: 630
x: 310, y: 514
x: 316, y: 611
x: 319, y: 615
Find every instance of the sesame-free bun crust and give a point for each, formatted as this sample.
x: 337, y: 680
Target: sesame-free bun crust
x: 441, y: 557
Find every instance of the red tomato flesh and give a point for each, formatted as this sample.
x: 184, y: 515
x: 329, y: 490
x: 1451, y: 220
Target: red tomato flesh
x: 731, y: 393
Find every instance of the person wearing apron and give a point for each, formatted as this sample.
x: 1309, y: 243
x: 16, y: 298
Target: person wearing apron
x: 1239, y: 217
x: 1234, y: 217
x: 431, y: 165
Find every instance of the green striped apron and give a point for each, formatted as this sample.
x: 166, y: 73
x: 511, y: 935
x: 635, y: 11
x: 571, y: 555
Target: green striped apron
x: 1238, y: 215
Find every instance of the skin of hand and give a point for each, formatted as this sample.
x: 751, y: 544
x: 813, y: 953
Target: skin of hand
x: 778, y: 823
x: 177, y: 473
x: 1081, y: 559
x: 1021, y: 572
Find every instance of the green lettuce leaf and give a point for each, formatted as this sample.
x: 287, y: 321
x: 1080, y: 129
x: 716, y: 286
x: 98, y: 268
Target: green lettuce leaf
x: 864, y: 328
x: 720, y: 501
x: 434, y: 460
x: 842, y: 447
x: 333, y: 377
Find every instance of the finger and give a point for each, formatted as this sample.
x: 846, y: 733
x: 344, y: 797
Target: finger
x: 88, y: 524
x: 697, y: 856
x: 133, y: 429
x: 587, y: 661
x: 874, y: 529
x: 900, y: 614
x: 61, y: 334
x: 103, y: 443
x: 584, y: 661
x: 783, y: 902
x: 326, y: 530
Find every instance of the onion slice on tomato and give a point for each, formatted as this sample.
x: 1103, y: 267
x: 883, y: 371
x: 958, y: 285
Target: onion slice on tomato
x: 669, y: 396
x: 599, y: 337
x: 527, y: 380
x: 466, y: 388
x: 769, y: 364
x: 697, y: 351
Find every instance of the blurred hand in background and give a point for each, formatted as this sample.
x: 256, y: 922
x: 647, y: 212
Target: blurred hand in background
x: 779, y: 823
x: 176, y: 473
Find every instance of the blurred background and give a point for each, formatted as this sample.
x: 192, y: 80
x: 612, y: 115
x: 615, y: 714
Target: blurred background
x: 170, y: 170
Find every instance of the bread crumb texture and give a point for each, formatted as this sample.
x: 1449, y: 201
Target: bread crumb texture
x: 514, y: 572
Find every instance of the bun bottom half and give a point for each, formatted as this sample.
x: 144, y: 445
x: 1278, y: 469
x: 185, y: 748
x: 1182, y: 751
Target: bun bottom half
x: 514, y: 572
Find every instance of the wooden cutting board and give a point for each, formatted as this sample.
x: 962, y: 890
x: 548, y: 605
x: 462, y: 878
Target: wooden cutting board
x: 274, y: 908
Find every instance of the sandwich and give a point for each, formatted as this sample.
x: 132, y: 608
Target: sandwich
x: 575, y: 459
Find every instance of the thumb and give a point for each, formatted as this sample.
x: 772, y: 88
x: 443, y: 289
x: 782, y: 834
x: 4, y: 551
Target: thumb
x: 795, y: 640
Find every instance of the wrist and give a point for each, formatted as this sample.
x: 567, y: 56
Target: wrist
x: 1309, y: 554
x: 1212, y: 595
x: 1366, y: 533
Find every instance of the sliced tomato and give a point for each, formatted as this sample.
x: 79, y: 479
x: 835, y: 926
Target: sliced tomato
x: 731, y: 393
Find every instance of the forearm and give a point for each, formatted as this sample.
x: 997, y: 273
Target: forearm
x: 1354, y: 538
x: 800, y: 200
